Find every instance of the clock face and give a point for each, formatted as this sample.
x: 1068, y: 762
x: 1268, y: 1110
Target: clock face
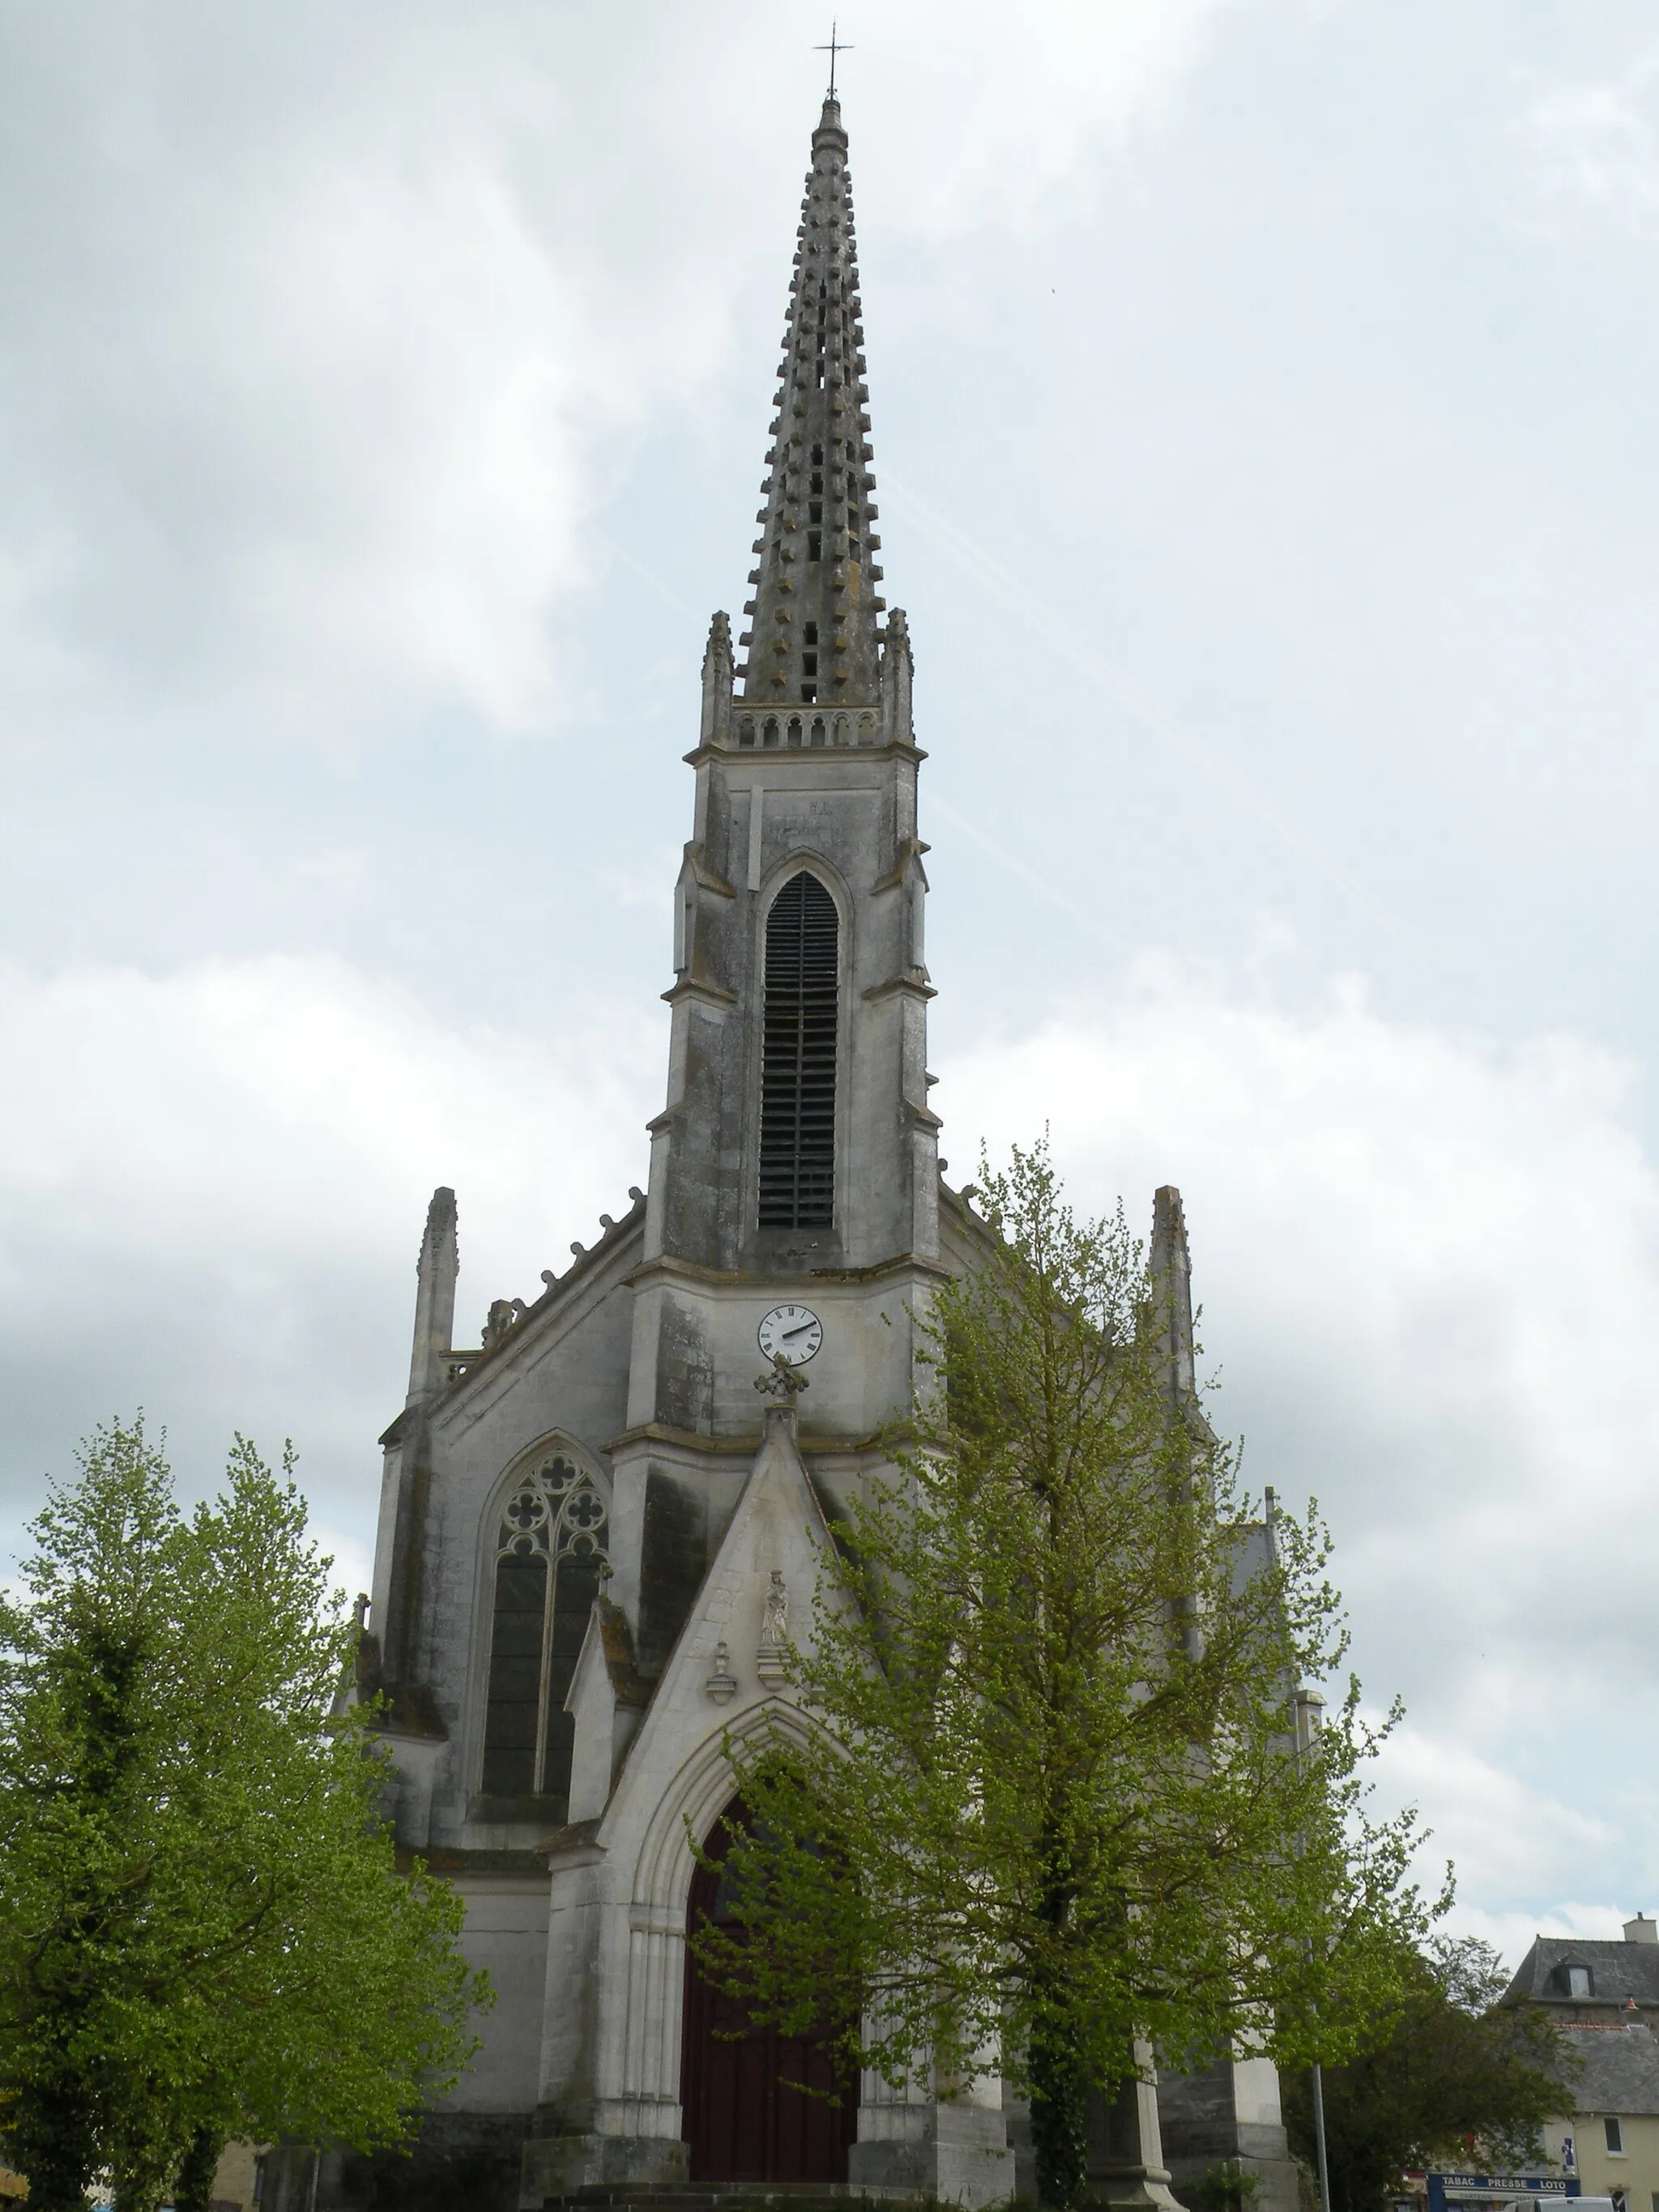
x: 795, y: 1332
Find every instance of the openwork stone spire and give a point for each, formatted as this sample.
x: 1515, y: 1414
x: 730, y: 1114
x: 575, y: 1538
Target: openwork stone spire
x: 813, y: 635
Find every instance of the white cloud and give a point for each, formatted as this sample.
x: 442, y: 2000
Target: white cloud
x: 1507, y: 1835
x: 1510, y: 1933
x: 1593, y: 148
x: 212, y: 1184
x: 324, y: 340
x: 425, y: 362
x: 962, y: 119
x: 338, y: 461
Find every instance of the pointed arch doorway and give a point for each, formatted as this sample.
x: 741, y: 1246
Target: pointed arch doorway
x: 743, y: 2121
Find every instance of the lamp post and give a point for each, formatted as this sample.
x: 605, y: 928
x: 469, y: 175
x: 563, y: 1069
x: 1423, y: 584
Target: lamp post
x: 1309, y: 1709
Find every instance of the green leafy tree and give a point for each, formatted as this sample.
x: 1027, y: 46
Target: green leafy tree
x: 1046, y: 1805
x: 203, y: 1929
x: 1451, y: 2075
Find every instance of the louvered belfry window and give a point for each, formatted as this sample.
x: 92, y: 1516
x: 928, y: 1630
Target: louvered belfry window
x: 798, y: 1060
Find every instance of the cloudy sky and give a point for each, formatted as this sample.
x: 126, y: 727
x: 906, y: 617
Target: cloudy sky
x: 1263, y: 415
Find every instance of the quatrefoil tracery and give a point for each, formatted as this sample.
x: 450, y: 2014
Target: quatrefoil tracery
x: 554, y: 1511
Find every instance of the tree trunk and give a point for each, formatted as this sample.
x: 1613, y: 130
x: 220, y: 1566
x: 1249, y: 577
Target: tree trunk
x: 53, y: 2142
x: 193, y: 2190
x: 1060, y: 2116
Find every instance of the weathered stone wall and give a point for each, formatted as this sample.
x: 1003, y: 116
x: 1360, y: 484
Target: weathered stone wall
x: 460, y: 2162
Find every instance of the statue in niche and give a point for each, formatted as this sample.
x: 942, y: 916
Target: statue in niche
x: 775, y: 1631
x: 770, y: 1658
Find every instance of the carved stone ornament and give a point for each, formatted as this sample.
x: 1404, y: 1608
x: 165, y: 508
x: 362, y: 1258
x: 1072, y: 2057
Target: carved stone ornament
x: 770, y: 1654
x: 783, y: 1382
x: 505, y: 1315
x: 722, y: 1683
x: 776, y: 1628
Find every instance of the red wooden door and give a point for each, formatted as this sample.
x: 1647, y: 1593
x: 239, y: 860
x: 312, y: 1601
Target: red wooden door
x: 744, y: 2122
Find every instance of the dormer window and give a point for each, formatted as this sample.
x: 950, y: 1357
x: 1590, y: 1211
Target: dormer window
x: 1579, y: 1982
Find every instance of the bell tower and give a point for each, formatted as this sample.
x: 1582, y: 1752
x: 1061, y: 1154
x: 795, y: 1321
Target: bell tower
x: 593, y: 1522
x: 797, y: 1135
x: 795, y: 1161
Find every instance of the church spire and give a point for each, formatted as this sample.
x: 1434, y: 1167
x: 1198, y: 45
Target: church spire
x: 813, y: 633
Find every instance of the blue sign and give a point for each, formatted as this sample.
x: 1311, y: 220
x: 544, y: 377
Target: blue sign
x: 1457, y: 2186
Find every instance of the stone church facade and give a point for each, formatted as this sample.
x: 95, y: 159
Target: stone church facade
x: 594, y: 1523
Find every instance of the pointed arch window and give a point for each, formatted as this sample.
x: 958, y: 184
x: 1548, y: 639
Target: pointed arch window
x: 551, y: 1549
x: 798, y: 1058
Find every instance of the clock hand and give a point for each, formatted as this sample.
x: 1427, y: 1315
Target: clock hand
x: 800, y: 1330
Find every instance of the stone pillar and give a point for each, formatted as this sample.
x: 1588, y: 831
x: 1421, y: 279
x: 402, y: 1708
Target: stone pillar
x: 943, y: 2141
x: 289, y: 2174
x: 1230, y: 2115
x: 948, y: 2150
x: 1125, y: 2151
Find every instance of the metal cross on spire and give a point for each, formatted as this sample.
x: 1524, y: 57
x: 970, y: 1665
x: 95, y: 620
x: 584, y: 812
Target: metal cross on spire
x: 834, y: 48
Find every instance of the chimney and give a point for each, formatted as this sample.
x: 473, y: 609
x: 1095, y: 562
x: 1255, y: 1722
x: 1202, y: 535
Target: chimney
x: 1642, y: 1929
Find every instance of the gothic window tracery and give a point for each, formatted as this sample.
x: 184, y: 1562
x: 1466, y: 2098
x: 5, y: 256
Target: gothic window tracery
x: 551, y: 1549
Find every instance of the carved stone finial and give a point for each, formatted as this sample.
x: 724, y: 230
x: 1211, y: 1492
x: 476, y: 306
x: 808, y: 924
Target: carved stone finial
x: 718, y: 676
x: 440, y: 1221
x: 434, y: 1299
x: 897, y: 672
x: 783, y: 1382
x: 722, y: 1684
x: 505, y: 1315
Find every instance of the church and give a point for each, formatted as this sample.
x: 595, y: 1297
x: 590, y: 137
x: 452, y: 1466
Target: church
x: 594, y: 1521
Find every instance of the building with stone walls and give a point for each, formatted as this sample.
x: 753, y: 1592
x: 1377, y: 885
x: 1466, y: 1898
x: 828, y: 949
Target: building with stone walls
x: 593, y: 1521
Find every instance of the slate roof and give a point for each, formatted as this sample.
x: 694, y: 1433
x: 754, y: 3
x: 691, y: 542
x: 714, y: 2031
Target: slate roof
x: 1618, y: 1971
x: 1621, y: 2068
